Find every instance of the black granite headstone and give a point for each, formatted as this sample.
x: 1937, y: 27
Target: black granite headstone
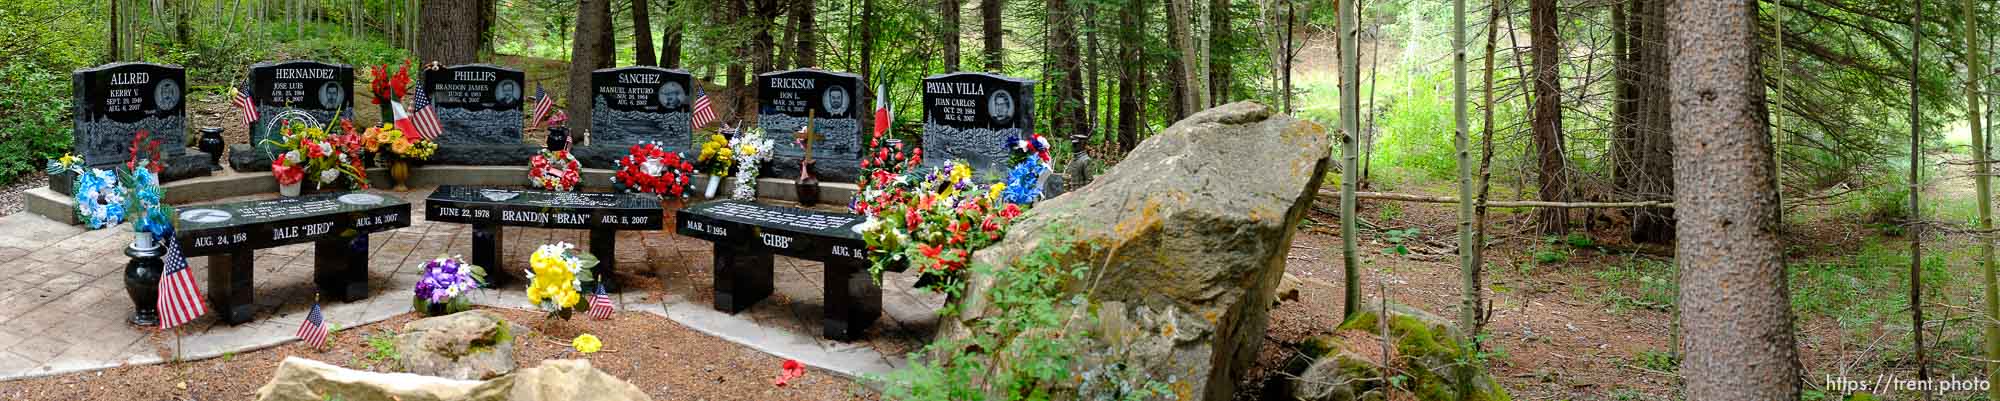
x: 833, y: 100
x: 480, y: 108
x: 315, y: 88
x: 113, y: 102
x: 637, y: 104
x: 969, y: 115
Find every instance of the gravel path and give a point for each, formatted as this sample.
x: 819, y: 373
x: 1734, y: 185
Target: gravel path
x: 11, y: 196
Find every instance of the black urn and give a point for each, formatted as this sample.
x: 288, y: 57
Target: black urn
x: 211, y: 142
x: 558, y: 139
x: 142, y: 283
x: 807, y: 186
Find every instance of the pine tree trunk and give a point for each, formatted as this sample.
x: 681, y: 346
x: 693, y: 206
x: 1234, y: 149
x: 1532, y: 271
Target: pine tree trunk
x: 1188, y: 82
x: 1131, y: 54
x: 1551, y: 172
x: 989, y: 16
x: 1652, y: 174
x: 1350, y: 120
x: 642, y: 33
x: 804, y: 16
x: 1069, y: 107
x: 670, y: 43
x: 1733, y: 299
x: 1221, y: 51
x: 587, y: 54
x: 948, y: 20
x: 762, y: 44
x: 452, y: 34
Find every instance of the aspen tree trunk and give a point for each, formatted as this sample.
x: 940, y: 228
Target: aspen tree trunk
x: 1468, y: 313
x: 1350, y: 108
x: 1975, y: 65
x: 1734, y: 302
x: 1190, y: 82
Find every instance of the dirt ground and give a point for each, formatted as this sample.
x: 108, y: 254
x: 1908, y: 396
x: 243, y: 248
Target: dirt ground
x: 664, y: 359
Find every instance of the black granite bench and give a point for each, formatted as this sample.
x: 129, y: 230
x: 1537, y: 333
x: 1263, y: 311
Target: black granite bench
x: 337, y: 224
x: 488, y: 209
x: 747, y: 234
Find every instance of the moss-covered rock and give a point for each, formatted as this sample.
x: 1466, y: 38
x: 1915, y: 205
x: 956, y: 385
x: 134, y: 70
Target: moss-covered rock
x: 1425, y: 358
x: 468, y: 345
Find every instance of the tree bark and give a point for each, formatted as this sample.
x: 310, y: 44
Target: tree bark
x: 1131, y: 23
x: 451, y: 35
x: 1915, y: 230
x: 1734, y: 303
x: 762, y: 44
x: 587, y: 53
x: 1553, y: 185
x: 642, y: 33
x: 1975, y: 63
x: 670, y: 43
x: 1221, y: 51
x: 989, y: 16
x: 1188, y: 82
x: 948, y: 32
x: 1650, y: 175
x: 1069, y: 117
x: 1469, y: 286
x: 806, y: 54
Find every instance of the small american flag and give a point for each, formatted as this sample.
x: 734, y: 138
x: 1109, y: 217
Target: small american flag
x: 242, y: 101
x: 179, y: 300
x: 423, y: 116
x: 543, y: 105
x: 313, y: 329
x: 600, y: 304
x: 704, y: 109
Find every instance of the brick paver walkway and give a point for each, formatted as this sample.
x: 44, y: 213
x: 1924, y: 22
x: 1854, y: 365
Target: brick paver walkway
x: 63, y: 306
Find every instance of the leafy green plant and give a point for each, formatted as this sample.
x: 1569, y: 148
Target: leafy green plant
x: 1551, y: 256
x: 34, y: 118
x: 382, y: 347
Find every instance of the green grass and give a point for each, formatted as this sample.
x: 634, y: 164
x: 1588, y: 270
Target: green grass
x: 1639, y: 283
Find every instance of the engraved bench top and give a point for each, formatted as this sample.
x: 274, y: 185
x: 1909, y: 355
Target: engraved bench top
x: 545, y: 209
x: 227, y: 227
x: 789, y: 231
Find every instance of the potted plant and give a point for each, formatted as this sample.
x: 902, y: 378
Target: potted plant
x: 555, y: 278
x: 442, y: 289
x: 400, y: 149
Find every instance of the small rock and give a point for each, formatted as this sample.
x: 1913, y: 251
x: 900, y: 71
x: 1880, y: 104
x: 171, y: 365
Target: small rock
x: 468, y: 345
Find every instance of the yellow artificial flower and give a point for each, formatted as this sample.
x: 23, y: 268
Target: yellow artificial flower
x: 586, y: 343
x: 714, y: 138
x: 68, y: 159
x: 994, y: 194
x: 401, y: 147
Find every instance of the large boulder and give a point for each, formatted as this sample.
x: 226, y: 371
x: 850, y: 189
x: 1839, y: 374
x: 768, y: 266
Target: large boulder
x: 1186, y: 240
x: 470, y: 345
x: 1351, y: 364
x: 309, y: 380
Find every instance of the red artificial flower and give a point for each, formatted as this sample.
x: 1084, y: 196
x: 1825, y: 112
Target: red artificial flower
x: 1011, y: 211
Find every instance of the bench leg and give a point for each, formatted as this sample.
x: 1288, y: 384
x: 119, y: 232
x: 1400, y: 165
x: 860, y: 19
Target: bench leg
x: 853, y: 300
x: 340, y: 268
x: 486, y: 248
x: 229, y: 286
x: 604, y: 245
x: 742, y: 277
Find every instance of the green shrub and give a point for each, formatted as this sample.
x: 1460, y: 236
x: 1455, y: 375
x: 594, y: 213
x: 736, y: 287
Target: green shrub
x: 34, y: 118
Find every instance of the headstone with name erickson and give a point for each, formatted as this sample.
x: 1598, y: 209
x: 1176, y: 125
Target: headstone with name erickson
x: 480, y: 108
x: 317, y: 89
x: 833, y: 101
x: 637, y: 104
x: 114, y: 102
x: 969, y: 115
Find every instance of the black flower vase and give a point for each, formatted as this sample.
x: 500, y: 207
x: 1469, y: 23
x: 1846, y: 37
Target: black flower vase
x: 558, y: 139
x: 808, y: 185
x: 211, y: 143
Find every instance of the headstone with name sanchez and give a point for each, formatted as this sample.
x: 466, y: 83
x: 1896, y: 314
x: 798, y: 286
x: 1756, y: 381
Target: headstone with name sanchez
x: 969, y: 115
x: 637, y: 104
x: 479, y: 107
x: 113, y: 102
x: 832, y: 100
x: 315, y: 88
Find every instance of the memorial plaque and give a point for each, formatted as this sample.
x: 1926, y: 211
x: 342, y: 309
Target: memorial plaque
x: 477, y: 104
x: 641, y: 104
x: 968, y: 116
x: 833, y: 100
x: 314, y: 88
x: 786, y: 231
x: 546, y: 209
x: 232, y: 227
x: 114, y: 102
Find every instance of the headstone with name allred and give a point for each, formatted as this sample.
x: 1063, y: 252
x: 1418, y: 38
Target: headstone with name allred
x: 114, y: 102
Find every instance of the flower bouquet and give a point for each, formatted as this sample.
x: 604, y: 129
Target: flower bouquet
x: 554, y: 171
x: 388, y: 87
x: 322, y: 156
x: 1031, y: 163
x: 929, y: 218
x: 400, y: 147
x: 649, y: 169
x: 556, y: 276
x: 98, y: 193
x: 442, y: 289
x: 751, y: 149
x: 716, y: 159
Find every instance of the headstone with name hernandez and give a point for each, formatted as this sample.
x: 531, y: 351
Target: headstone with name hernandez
x: 637, y: 104
x: 113, y: 102
x: 832, y: 100
x: 969, y: 115
x: 479, y: 107
x: 315, y: 88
